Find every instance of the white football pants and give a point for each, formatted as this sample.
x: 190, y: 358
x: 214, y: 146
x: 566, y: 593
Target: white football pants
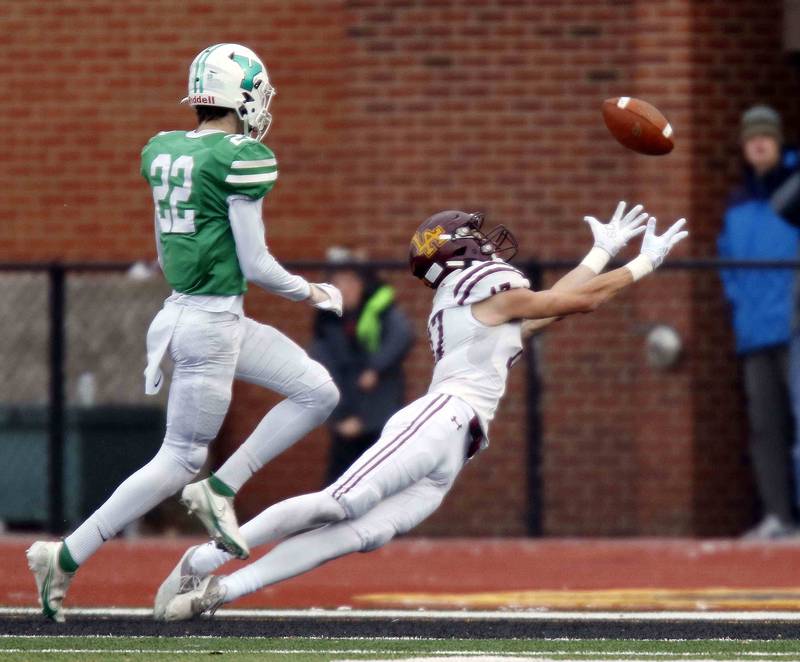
x: 396, y: 484
x: 209, y: 350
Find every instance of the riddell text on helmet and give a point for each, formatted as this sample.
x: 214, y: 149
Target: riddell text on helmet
x: 202, y: 99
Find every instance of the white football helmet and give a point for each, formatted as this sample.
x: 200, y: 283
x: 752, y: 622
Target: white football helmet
x: 233, y: 76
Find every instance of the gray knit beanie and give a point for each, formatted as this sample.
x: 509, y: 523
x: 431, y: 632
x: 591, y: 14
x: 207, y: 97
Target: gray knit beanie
x: 761, y: 121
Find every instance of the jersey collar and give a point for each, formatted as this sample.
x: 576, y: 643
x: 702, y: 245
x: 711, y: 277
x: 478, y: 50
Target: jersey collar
x: 204, y: 132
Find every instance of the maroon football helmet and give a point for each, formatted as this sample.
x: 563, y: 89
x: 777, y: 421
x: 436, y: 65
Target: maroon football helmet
x: 452, y: 240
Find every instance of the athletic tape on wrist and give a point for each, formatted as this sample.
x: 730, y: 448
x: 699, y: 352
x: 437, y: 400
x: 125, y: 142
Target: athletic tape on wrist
x: 639, y: 267
x: 596, y: 259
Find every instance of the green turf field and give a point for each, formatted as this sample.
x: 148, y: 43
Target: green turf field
x: 52, y: 649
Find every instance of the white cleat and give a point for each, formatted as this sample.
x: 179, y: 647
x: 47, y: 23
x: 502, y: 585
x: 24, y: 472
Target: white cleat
x: 205, y: 599
x: 51, y: 580
x: 182, y: 579
x: 217, y: 515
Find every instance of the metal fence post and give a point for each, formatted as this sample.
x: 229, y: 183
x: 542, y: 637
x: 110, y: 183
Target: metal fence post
x: 534, y: 271
x: 56, y: 417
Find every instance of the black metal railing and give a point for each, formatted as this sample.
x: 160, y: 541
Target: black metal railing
x: 57, y: 277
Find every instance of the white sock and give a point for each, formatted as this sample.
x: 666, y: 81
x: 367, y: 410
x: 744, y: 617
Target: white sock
x: 157, y: 480
x: 276, y: 522
x: 307, y: 511
x: 284, y: 424
x: 292, y: 557
x: 208, y: 558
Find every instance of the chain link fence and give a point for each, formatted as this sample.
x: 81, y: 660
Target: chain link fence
x: 74, y: 420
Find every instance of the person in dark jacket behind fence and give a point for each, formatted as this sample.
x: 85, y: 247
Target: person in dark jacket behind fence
x: 364, y: 352
x: 756, y: 228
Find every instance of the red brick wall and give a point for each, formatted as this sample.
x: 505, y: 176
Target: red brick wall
x: 391, y: 109
x: 736, y: 61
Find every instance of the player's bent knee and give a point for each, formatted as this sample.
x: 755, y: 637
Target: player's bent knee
x: 196, y: 458
x: 320, y: 401
x: 191, y: 457
x: 377, y: 537
x: 328, y: 509
x: 315, y: 388
x: 359, y: 503
x: 326, y: 397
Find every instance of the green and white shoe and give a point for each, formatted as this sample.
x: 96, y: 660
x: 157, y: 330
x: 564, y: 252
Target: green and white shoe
x: 205, y: 599
x: 217, y: 515
x: 51, y: 580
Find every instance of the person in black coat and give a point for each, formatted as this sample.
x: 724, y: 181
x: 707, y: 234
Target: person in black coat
x: 364, y: 352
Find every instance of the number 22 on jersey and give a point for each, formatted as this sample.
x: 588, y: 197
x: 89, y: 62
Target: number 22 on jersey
x: 172, y: 194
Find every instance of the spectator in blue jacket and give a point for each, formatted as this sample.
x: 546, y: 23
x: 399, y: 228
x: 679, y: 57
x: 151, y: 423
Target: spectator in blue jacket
x: 756, y: 228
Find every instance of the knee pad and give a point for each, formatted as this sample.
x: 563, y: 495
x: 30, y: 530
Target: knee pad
x: 322, y: 399
x: 327, y: 509
x: 190, y: 456
x: 359, y: 502
x: 375, y: 536
x: 326, y: 397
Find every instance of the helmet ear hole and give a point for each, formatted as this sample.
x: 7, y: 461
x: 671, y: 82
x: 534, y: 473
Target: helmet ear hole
x: 460, y: 251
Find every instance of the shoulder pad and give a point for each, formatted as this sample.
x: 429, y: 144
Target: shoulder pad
x: 153, y: 139
x: 252, y: 169
x: 245, y: 147
x: 146, y: 152
x: 485, y: 280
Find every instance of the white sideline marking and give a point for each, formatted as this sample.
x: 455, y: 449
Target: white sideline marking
x: 337, y: 638
x: 458, y: 658
x: 450, y: 614
x: 573, y: 655
x: 304, y: 637
x: 529, y: 655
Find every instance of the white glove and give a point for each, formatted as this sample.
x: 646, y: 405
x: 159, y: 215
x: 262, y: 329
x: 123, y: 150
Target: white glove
x: 612, y: 236
x: 656, y: 248
x: 334, y: 300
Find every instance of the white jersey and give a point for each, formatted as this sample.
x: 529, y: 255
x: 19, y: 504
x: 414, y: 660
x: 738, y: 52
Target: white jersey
x: 471, y: 359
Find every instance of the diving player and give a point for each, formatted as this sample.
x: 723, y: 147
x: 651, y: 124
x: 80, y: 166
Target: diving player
x: 476, y: 331
x: 208, y: 188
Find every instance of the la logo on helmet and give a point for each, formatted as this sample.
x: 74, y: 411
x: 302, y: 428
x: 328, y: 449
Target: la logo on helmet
x: 428, y: 242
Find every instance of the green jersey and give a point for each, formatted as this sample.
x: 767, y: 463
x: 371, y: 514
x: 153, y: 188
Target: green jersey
x: 192, y: 175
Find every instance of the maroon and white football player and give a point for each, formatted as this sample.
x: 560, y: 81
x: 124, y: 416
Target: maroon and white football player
x: 482, y: 309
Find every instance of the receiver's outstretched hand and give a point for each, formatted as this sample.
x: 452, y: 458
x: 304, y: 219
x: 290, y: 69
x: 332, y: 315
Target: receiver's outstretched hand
x: 656, y: 248
x: 614, y: 235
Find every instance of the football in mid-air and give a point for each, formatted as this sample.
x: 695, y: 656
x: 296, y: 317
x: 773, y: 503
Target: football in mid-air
x: 638, y: 125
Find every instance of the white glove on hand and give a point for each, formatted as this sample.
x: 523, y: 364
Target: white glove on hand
x: 612, y: 236
x: 656, y: 248
x: 334, y: 300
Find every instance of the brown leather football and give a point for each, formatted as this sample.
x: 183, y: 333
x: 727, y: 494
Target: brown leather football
x: 638, y: 125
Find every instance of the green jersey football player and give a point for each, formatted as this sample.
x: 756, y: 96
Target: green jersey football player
x: 208, y: 188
